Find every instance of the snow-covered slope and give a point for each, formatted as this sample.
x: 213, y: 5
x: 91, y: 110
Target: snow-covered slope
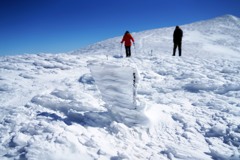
x: 218, y: 37
x: 54, y: 106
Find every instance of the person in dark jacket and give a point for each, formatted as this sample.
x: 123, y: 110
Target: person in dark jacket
x: 177, y: 40
x: 127, y: 39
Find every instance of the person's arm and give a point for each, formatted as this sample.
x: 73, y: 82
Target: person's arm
x: 132, y: 40
x: 123, y: 39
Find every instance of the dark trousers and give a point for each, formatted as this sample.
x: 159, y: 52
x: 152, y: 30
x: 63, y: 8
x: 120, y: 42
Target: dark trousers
x: 128, y: 51
x: 179, y: 46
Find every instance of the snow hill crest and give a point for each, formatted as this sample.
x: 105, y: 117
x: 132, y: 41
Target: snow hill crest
x: 221, y: 33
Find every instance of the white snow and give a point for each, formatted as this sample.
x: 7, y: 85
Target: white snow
x: 81, y: 105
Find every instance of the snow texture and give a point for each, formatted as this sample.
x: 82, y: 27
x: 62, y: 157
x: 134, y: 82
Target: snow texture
x: 81, y: 105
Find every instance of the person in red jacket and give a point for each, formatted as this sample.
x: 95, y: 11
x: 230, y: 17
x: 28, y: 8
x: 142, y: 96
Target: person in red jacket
x: 127, y: 39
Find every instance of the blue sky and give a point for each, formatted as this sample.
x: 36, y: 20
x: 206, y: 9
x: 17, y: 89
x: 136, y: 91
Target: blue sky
x: 54, y: 26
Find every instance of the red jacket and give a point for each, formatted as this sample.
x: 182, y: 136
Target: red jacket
x: 127, y: 38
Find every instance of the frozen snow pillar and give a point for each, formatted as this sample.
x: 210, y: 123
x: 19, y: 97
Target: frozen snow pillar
x: 117, y: 84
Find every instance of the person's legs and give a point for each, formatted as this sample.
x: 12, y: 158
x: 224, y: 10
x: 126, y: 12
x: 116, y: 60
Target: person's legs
x: 174, y: 49
x: 128, y: 51
x: 180, y: 49
x: 129, y: 55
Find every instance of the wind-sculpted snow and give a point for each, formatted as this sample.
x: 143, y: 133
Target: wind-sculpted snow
x: 80, y: 105
x: 117, y: 81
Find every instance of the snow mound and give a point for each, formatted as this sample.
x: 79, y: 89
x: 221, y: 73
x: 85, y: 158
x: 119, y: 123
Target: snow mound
x: 118, y: 86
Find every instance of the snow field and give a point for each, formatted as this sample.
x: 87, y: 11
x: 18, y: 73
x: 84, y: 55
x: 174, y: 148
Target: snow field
x: 56, y: 106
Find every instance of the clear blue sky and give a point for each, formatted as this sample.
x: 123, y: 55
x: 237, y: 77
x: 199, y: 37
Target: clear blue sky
x: 53, y: 26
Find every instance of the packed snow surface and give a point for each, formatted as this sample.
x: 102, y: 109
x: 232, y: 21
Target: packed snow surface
x: 81, y: 105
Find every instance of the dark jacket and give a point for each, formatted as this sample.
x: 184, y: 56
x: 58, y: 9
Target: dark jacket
x: 177, y: 35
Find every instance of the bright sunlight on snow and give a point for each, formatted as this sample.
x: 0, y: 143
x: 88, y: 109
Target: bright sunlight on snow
x: 82, y: 105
